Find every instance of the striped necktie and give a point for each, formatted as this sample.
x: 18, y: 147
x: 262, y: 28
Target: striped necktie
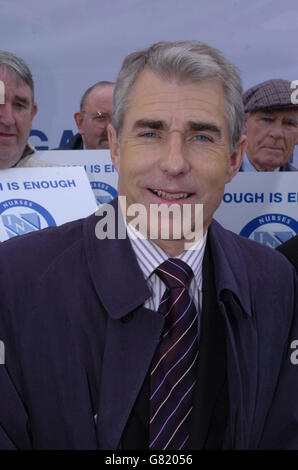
x: 173, y: 367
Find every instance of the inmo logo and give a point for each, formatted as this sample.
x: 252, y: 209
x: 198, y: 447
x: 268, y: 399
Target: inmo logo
x: 2, y: 92
x: 271, y: 229
x: 2, y: 353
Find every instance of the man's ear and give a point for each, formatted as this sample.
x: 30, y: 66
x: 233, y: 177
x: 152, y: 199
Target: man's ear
x: 114, y: 147
x: 236, y: 158
x: 78, y: 117
x: 34, y: 110
x: 246, y: 116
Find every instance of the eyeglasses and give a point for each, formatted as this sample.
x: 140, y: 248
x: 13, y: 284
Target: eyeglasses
x: 99, y: 117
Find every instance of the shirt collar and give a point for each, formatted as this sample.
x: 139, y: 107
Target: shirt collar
x: 248, y: 166
x: 28, y: 150
x: 149, y: 255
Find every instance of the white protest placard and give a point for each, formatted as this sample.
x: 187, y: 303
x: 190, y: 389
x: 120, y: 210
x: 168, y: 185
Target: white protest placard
x: 261, y: 206
x: 34, y: 198
x: 97, y: 163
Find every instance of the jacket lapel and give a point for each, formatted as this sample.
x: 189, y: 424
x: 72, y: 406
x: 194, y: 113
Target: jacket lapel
x: 211, y: 372
x: 236, y: 306
x: 132, y: 330
x: 128, y: 353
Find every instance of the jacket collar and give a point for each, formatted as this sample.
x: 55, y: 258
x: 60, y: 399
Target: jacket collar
x: 120, y: 290
x: 230, y: 262
x: 288, y: 167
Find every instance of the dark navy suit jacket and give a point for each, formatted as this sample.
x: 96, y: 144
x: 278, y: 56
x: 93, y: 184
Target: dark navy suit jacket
x: 79, y: 342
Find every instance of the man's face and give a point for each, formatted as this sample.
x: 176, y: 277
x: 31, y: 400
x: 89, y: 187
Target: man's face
x: 271, y: 137
x: 91, y: 125
x: 16, y: 116
x: 174, y: 146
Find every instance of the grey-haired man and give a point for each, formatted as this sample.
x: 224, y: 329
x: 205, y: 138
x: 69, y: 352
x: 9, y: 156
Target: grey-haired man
x: 116, y: 339
x: 17, y: 110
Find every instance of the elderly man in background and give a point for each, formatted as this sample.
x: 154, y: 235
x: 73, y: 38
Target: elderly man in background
x: 96, y: 107
x: 271, y: 126
x: 17, y: 110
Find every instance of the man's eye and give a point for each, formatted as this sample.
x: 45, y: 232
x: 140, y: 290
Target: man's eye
x: 267, y: 119
x: 19, y: 105
x: 200, y: 137
x: 149, y: 134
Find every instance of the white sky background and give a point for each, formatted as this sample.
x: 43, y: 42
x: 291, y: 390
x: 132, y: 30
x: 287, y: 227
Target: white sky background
x: 70, y: 44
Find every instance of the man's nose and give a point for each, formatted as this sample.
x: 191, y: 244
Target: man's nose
x: 6, y: 115
x: 173, y: 160
x: 276, y: 130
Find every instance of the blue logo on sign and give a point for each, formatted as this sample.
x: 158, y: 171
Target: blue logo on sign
x: 106, y: 192
x: 24, y: 216
x: 279, y: 228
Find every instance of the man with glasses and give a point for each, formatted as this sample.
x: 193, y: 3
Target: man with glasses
x: 95, y: 113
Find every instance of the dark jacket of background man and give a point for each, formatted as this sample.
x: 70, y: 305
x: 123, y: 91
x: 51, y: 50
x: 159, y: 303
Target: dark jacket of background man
x: 290, y: 250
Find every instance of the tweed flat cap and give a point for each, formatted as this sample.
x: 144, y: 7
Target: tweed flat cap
x: 275, y: 93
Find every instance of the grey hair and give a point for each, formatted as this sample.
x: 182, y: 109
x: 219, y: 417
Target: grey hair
x: 18, y: 68
x: 187, y: 61
x: 97, y: 84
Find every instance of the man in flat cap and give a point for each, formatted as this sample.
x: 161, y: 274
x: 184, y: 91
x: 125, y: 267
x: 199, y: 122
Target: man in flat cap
x: 271, y: 126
